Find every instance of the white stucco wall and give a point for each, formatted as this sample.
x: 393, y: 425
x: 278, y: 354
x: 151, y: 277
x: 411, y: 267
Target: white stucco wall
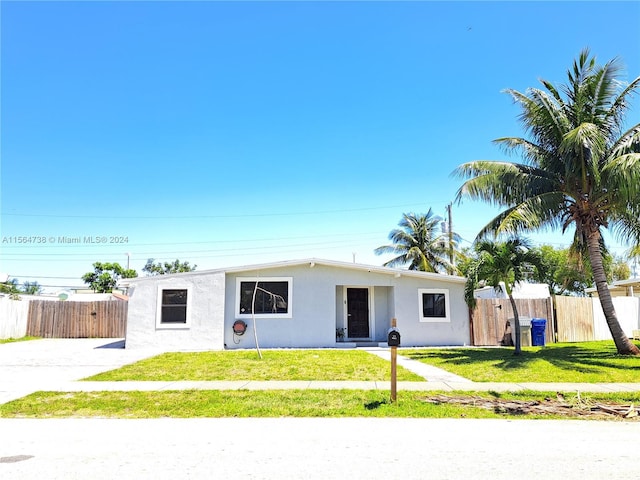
x: 416, y: 333
x: 206, y: 313
x: 313, y: 303
x: 318, y: 308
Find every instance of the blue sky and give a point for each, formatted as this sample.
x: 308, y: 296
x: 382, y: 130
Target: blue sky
x: 232, y: 133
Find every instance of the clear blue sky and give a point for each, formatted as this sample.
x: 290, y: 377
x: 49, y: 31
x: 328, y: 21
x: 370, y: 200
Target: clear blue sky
x: 232, y: 133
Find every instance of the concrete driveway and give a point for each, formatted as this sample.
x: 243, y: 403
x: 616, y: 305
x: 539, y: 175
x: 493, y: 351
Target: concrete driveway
x: 29, y: 366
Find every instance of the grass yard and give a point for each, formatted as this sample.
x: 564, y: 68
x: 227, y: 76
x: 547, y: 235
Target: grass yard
x: 21, y: 339
x: 245, y: 365
x: 299, y: 403
x: 588, y: 362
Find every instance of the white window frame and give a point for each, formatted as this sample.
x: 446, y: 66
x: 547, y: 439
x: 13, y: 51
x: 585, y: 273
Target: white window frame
x: 173, y: 326
x: 447, y: 308
x: 289, y: 313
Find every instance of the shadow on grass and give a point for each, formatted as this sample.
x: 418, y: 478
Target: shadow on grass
x: 375, y: 404
x: 590, y: 357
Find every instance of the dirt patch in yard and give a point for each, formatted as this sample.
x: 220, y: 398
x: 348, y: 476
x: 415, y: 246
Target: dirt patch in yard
x: 549, y: 406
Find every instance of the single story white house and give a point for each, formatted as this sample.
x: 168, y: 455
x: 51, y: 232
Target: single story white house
x: 295, y: 304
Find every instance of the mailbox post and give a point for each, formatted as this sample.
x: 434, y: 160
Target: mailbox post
x: 393, y: 340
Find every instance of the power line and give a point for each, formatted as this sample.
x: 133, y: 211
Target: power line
x: 245, y: 215
x: 241, y: 240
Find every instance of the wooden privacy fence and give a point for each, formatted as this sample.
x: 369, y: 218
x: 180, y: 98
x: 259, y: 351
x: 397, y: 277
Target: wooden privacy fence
x: 582, y: 319
x: 101, y: 319
x: 575, y: 319
x: 569, y: 319
x: 489, y: 318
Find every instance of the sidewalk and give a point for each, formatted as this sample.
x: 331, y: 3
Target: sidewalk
x: 79, y: 386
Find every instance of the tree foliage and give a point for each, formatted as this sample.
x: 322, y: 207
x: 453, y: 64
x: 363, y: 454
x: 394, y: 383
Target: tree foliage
x: 10, y: 286
x: 580, y: 168
x: 564, y: 271
x: 31, y: 288
x: 105, y: 276
x: 160, y: 268
x: 508, y: 262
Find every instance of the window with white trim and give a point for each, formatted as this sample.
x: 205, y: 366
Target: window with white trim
x: 271, y: 297
x: 173, y: 308
x: 434, y: 305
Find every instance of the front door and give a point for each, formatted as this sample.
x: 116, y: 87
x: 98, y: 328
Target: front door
x: 358, y: 312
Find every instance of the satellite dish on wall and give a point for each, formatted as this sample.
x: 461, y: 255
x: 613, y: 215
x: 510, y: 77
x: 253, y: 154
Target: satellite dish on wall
x: 63, y: 295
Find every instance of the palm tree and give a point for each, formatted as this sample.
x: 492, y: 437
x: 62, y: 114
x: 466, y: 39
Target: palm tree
x: 32, y: 288
x: 634, y: 254
x: 579, y: 168
x: 417, y: 243
x: 506, y: 262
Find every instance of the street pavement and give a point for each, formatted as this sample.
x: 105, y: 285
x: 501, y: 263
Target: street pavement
x: 290, y: 448
x: 317, y: 448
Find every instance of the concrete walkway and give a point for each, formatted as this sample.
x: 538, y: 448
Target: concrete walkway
x: 56, y: 365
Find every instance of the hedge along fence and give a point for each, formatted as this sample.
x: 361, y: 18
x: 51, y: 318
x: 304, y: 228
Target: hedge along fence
x: 13, y: 317
x: 99, y: 319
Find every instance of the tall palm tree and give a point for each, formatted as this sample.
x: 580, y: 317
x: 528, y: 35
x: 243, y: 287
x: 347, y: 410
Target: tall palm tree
x: 418, y: 243
x: 580, y: 168
x: 506, y: 262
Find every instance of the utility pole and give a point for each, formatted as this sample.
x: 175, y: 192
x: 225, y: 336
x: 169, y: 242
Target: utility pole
x: 451, y: 256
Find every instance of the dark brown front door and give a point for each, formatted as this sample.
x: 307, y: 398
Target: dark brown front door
x: 358, y: 312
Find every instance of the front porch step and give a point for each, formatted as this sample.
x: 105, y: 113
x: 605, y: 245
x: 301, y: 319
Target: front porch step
x: 361, y: 344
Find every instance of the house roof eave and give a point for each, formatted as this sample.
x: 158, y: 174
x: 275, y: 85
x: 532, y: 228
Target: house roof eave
x: 125, y: 282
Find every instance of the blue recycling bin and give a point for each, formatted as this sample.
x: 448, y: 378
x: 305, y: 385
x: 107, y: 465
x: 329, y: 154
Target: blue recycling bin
x: 538, y: 326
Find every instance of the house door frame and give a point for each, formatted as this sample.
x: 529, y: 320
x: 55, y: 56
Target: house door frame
x: 370, y: 308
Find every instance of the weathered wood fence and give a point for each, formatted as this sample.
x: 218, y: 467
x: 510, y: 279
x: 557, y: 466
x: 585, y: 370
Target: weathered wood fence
x: 100, y: 319
x: 569, y: 319
x: 574, y: 319
x: 582, y: 319
x: 490, y: 317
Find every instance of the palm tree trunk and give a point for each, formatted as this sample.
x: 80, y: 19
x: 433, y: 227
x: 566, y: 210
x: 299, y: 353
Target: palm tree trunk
x: 516, y: 320
x: 623, y: 344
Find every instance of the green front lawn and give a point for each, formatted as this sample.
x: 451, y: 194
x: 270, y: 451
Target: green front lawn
x: 588, y: 362
x: 301, y: 403
x: 21, y: 339
x: 275, y: 365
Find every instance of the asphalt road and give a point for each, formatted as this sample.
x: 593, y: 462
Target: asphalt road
x: 288, y: 448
